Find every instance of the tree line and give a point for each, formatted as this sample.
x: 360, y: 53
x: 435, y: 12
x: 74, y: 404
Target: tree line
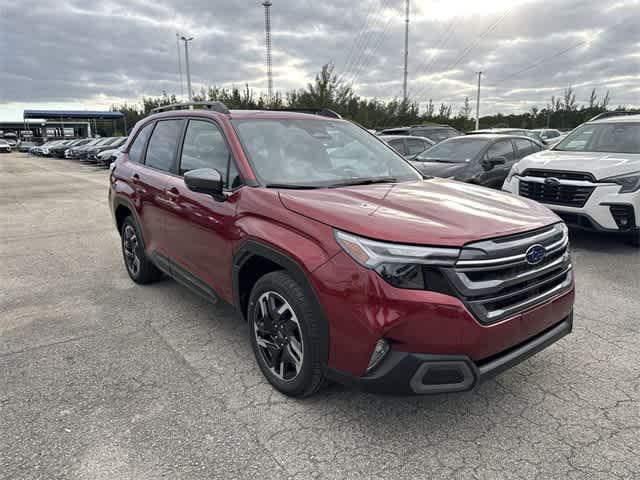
x: 328, y: 91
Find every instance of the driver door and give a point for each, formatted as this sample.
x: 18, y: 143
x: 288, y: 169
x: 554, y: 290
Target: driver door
x: 199, y: 228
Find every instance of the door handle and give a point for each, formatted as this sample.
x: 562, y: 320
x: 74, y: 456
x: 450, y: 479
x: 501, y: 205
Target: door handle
x: 173, y: 193
x: 135, y: 178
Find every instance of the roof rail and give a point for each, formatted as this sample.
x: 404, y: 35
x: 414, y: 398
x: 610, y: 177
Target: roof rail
x: 614, y: 113
x: 323, y: 112
x: 215, y: 106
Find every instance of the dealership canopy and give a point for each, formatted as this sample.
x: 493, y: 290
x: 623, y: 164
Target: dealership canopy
x: 84, y: 114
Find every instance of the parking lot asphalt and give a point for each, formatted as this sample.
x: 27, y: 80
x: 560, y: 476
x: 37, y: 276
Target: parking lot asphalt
x: 104, y: 379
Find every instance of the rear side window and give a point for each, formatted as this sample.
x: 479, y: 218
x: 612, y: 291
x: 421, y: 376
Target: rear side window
x: 415, y: 145
x: 162, y: 147
x: 525, y: 147
x: 137, y: 149
x: 398, y: 145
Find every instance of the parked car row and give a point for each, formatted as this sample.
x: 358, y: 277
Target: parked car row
x: 101, y: 151
x: 589, y: 177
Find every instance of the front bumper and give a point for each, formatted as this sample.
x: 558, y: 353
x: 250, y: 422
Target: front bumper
x: 596, y: 214
x: 406, y: 373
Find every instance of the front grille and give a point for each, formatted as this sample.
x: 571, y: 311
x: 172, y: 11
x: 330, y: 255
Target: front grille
x: 559, y: 174
x: 567, y: 195
x: 495, y: 280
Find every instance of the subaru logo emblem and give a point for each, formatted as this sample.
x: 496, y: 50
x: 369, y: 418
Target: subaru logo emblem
x: 535, y: 254
x: 552, y: 181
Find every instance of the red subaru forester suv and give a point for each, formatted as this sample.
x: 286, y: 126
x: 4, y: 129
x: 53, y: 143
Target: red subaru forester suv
x: 345, y: 262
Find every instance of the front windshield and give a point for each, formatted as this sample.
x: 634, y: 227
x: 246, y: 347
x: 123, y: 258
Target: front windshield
x: 455, y: 150
x: 603, y: 137
x: 317, y: 153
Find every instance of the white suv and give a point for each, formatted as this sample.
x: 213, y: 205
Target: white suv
x: 591, y: 178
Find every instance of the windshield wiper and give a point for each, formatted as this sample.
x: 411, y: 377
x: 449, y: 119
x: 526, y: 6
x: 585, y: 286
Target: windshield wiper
x: 364, y: 181
x: 291, y: 186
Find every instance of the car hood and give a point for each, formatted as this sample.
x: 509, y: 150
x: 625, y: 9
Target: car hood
x: 434, y: 212
x: 441, y: 169
x: 600, y: 165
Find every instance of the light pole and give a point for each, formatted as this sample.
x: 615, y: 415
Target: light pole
x: 406, y: 52
x: 267, y: 30
x: 186, y: 61
x: 478, y: 103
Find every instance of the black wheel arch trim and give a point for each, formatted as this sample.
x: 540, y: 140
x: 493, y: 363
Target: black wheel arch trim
x: 118, y: 201
x: 252, y: 248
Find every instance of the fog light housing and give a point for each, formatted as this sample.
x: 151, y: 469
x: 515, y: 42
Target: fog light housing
x: 379, y: 352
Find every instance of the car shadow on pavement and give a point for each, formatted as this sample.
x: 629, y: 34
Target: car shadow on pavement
x: 601, y: 242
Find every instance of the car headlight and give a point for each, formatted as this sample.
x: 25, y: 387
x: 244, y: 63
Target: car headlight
x: 515, y: 171
x: 402, y: 266
x: 630, y: 182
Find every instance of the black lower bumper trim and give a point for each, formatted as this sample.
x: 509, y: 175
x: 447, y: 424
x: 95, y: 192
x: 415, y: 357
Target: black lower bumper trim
x: 405, y: 373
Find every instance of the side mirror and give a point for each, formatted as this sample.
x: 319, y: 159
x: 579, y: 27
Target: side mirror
x: 489, y: 163
x: 205, y: 180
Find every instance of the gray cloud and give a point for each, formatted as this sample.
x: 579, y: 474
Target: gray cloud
x: 79, y: 52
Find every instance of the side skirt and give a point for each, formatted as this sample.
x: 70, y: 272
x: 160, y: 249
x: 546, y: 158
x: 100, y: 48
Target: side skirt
x: 184, y: 277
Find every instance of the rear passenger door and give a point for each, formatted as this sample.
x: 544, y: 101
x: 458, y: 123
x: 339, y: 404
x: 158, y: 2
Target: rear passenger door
x: 147, y: 185
x: 201, y: 229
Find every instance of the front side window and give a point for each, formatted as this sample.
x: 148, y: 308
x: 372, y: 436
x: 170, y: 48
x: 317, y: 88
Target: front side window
x: 603, y: 137
x: 161, y: 151
x: 204, y: 147
x: 502, y: 148
x: 317, y: 152
x: 137, y: 149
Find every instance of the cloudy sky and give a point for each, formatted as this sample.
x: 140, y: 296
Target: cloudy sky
x: 89, y: 55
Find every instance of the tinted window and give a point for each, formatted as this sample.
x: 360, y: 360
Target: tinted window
x: 415, y: 145
x: 398, y: 145
x: 205, y: 147
x: 525, y: 147
x: 503, y: 148
x: 137, y: 149
x: 456, y: 150
x: 162, y: 146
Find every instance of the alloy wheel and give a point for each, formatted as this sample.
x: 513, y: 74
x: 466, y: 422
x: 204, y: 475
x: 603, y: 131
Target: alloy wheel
x: 278, y: 335
x: 131, y: 247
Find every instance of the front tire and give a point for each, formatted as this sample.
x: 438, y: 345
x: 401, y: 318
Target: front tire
x: 139, y: 267
x: 289, y: 339
x: 635, y: 239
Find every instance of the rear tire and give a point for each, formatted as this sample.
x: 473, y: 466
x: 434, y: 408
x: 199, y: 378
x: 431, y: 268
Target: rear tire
x: 289, y: 339
x: 139, y: 267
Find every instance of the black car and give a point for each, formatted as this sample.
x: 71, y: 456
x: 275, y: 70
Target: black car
x: 435, y: 133
x: 58, y: 151
x: 480, y: 159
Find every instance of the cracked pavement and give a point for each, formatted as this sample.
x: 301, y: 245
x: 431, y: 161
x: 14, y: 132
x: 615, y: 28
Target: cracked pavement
x: 104, y: 379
